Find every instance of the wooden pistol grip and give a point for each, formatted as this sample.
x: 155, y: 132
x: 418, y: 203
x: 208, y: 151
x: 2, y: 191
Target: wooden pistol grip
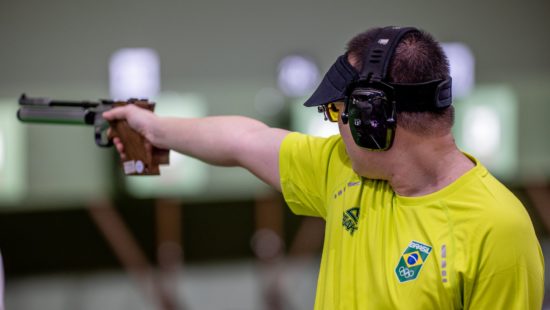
x: 161, y: 156
x: 141, y: 157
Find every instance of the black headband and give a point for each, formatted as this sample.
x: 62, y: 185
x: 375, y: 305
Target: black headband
x: 420, y: 97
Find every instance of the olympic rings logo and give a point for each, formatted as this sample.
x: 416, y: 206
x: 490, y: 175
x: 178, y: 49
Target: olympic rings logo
x: 406, y: 272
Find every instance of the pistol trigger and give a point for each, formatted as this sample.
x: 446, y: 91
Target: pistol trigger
x: 101, y: 127
x: 101, y: 136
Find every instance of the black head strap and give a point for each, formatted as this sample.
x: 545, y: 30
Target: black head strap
x: 420, y: 97
x: 380, y: 53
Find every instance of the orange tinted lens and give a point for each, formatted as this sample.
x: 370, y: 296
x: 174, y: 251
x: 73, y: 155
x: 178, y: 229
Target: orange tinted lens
x: 332, y: 112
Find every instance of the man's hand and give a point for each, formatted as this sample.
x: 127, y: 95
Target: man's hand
x: 140, y: 120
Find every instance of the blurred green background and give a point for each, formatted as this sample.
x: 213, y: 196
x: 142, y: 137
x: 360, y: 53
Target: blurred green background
x: 221, y: 54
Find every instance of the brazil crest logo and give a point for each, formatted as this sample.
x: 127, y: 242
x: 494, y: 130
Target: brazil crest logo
x: 411, y: 261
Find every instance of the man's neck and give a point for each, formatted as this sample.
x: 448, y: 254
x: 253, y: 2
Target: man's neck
x: 427, y: 166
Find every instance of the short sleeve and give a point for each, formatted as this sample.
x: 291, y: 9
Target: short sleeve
x: 510, y: 269
x: 306, y: 164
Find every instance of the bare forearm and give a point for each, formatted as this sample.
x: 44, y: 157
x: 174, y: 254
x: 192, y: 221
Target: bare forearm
x: 215, y: 140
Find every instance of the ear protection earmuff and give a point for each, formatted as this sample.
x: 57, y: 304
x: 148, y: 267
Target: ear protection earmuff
x: 371, y: 103
x: 371, y: 116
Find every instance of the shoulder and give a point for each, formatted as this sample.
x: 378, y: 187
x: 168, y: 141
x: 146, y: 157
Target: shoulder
x: 499, y: 205
x: 494, y: 222
x: 301, y: 144
x: 481, y: 196
x: 302, y: 151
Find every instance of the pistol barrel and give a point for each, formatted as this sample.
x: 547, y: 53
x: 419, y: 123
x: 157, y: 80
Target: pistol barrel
x: 57, y: 115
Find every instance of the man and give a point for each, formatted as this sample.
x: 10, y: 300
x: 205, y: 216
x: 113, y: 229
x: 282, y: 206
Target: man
x: 411, y: 222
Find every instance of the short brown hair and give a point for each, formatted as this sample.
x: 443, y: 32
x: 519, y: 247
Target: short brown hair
x: 417, y: 58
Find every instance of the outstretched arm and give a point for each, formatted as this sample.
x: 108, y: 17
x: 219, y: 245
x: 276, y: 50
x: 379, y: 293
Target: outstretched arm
x: 219, y: 140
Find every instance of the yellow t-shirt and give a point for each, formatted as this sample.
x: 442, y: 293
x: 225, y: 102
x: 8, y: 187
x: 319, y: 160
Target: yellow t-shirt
x: 470, y: 245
